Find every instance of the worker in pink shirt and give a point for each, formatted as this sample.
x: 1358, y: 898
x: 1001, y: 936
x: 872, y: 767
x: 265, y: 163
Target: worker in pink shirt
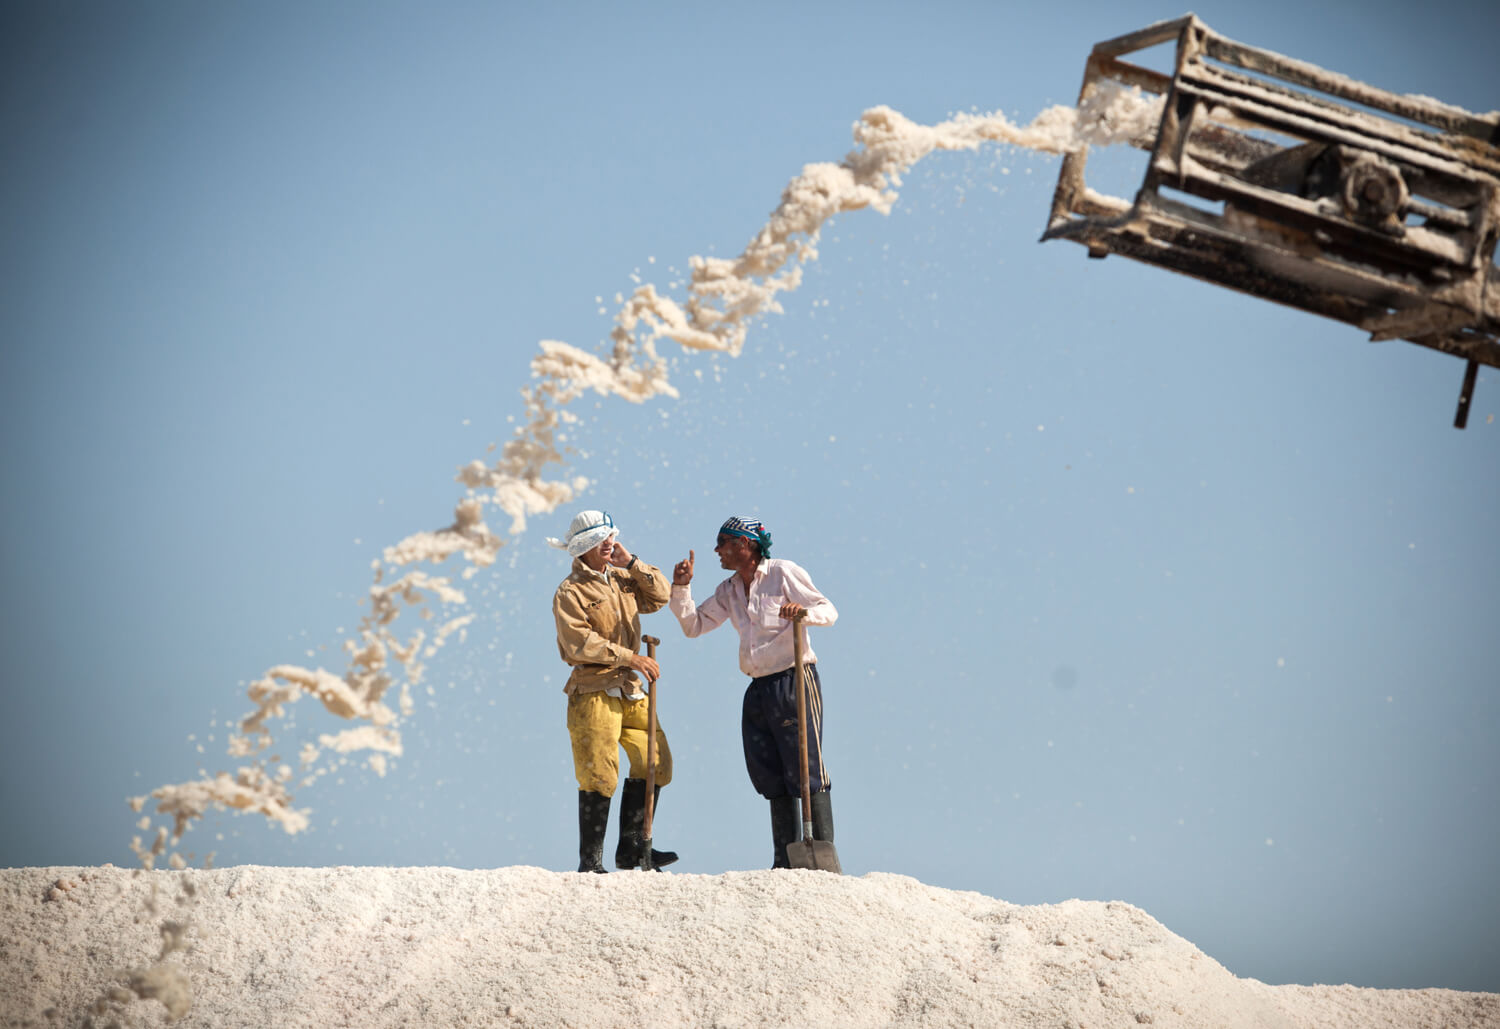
x: 760, y: 598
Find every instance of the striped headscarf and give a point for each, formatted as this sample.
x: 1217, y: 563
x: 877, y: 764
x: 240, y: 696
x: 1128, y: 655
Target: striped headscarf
x: 750, y: 529
x: 587, y: 530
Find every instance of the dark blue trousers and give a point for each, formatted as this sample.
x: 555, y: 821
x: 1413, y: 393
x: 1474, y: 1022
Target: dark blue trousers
x: 768, y: 726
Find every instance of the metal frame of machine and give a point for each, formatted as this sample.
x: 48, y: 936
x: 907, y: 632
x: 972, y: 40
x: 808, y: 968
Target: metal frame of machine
x: 1265, y: 177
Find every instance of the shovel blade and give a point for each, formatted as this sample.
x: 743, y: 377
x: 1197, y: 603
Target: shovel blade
x: 818, y: 855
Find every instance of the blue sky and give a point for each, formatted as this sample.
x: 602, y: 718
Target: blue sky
x: 1149, y: 591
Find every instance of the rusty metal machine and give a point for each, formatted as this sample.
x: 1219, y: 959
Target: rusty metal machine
x: 1280, y: 179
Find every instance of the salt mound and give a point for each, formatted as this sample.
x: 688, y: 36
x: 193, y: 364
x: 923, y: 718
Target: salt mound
x: 528, y: 947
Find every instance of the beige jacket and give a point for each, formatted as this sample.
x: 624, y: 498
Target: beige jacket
x: 599, y: 625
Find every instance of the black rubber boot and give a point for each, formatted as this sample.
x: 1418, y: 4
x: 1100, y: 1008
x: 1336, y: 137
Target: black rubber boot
x: 785, y: 828
x: 593, y: 822
x: 633, y: 828
x: 822, y: 816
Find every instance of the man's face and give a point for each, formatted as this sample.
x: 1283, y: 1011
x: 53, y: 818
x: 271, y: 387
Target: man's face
x: 600, y: 555
x: 733, y: 551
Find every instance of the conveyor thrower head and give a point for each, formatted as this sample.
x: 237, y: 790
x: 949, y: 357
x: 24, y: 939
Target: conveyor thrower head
x: 1265, y: 178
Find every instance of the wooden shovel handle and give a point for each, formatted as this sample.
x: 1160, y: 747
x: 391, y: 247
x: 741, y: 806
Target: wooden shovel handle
x: 801, y: 686
x: 651, y: 642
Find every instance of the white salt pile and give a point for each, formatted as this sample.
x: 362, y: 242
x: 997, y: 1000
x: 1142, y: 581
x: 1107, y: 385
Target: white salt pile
x: 526, y: 947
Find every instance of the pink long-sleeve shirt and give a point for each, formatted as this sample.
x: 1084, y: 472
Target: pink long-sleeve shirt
x: 765, y: 639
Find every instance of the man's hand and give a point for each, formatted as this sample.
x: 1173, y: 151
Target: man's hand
x: 792, y: 612
x: 646, y: 666
x: 682, y: 571
x: 619, y: 556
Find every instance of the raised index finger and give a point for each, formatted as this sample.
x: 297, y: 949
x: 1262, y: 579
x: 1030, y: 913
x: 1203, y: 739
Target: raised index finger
x: 690, y: 558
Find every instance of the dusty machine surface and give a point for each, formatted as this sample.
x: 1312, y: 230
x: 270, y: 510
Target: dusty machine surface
x: 1288, y: 182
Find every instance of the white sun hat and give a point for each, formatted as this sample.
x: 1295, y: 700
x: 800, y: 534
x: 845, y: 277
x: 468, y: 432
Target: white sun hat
x: 587, y: 530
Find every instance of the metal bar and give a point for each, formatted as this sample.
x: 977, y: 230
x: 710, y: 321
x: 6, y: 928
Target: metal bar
x: 1294, y: 115
x: 1134, y: 75
x: 1465, y: 395
x: 1231, y: 90
x: 1149, y: 36
x: 1446, y: 117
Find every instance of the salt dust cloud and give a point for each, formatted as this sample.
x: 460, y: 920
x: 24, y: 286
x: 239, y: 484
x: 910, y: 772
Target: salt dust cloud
x: 385, y: 661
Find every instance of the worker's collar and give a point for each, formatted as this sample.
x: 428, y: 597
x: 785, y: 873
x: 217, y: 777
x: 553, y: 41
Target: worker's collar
x: 756, y: 576
x: 580, y: 565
